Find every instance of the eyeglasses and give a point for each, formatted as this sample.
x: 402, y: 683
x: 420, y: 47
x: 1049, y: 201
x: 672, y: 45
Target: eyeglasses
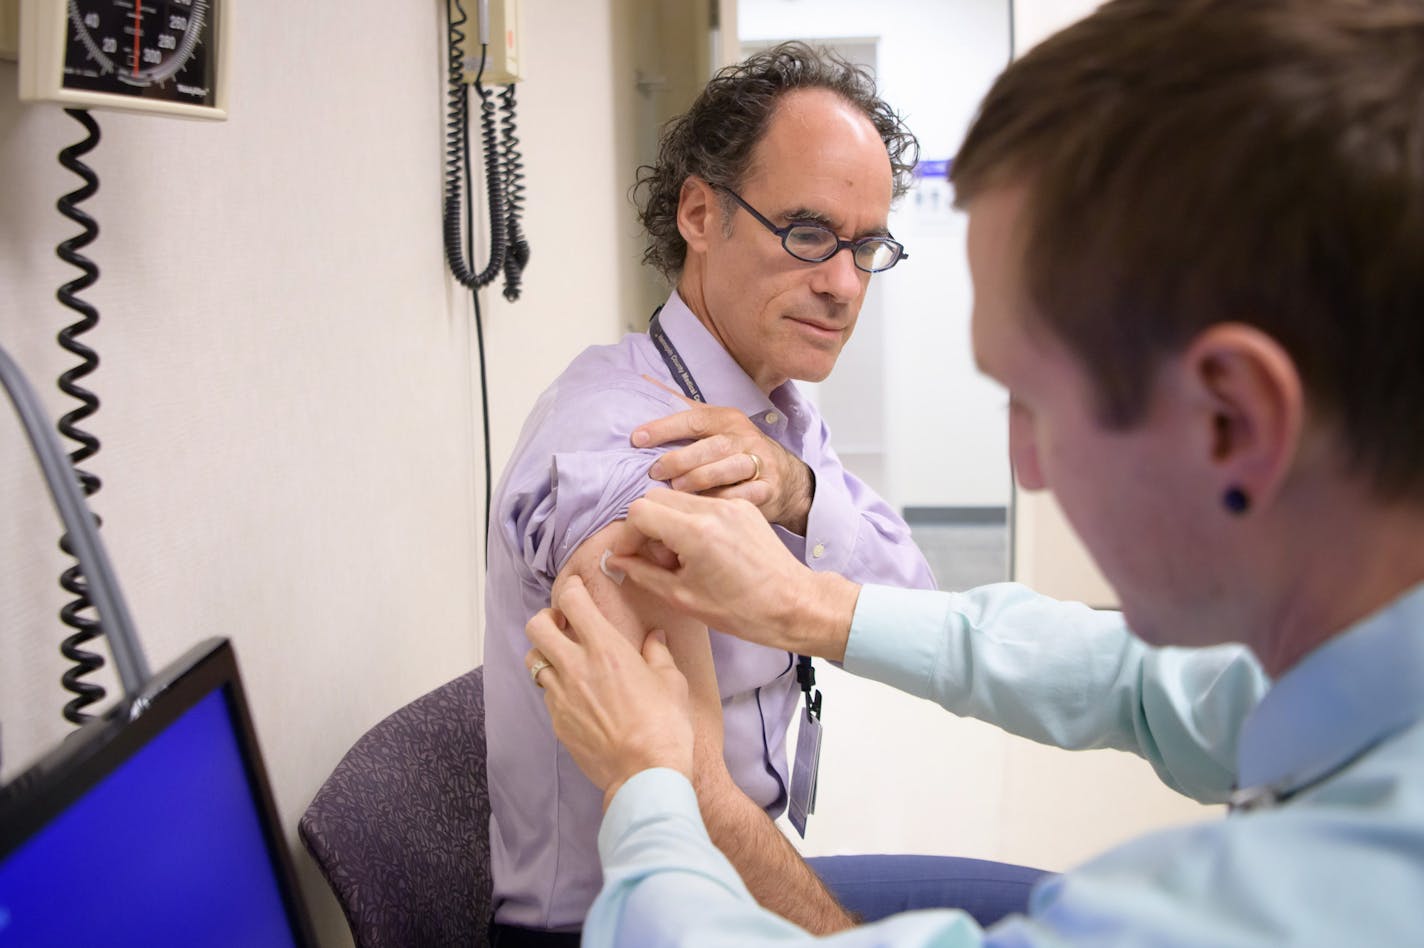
x: 816, y: 243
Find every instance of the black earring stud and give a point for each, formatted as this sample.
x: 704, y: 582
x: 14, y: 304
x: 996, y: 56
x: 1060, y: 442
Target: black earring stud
x: 1236, y: 501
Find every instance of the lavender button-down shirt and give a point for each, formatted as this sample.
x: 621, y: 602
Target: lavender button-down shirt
x: 572, y: 473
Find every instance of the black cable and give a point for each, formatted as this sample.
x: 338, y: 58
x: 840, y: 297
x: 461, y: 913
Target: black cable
x: 512, y: 167
x: 484, y: 408
x: 73, y: 580
x: 479, y: 332
x: 457, y: 149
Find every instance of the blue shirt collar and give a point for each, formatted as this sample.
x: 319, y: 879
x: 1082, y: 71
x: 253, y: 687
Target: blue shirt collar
x: 1357, y: 689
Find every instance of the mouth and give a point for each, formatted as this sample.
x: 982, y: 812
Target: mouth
x: 818, y: 330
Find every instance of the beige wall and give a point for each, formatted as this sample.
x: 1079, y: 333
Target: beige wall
x: 291, y: 448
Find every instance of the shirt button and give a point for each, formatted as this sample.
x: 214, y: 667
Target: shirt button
x: 772, y: 417
x: 818, y: 551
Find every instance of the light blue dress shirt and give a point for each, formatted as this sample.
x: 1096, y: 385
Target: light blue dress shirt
x: 1333, y: 856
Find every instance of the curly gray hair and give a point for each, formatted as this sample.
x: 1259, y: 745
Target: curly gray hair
x: 716, y: 137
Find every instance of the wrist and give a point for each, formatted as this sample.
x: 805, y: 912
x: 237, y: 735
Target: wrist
x: 819, y: 615
x: 800, y: 492
x: 611, y: 791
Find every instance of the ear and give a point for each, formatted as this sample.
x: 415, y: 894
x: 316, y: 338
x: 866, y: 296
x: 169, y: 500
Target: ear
x: 1254, y: 396
x: 697, y: 213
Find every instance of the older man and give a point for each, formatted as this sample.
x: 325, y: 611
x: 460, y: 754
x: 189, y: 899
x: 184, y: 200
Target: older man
x: 768, y: 208
x: 1195, y: 234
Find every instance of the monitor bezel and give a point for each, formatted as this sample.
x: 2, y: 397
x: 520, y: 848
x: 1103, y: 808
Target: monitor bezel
x: 30, y: 801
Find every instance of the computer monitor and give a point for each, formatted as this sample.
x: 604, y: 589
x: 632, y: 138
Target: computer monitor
x: 153, y: 825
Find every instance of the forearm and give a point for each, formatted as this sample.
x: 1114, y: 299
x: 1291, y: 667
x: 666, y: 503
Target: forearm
x: 769, y: 865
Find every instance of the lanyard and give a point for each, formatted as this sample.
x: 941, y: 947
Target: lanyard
x: 682, y: 375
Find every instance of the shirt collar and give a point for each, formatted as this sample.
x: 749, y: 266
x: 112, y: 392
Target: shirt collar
x: 1357, y: 689
x: 721, y: 379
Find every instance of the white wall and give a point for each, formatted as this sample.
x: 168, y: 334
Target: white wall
x: 290, y: 423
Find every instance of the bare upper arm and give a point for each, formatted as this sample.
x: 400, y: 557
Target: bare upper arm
x: 635, y: 614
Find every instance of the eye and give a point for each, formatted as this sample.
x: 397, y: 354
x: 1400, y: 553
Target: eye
x: 809, y: 239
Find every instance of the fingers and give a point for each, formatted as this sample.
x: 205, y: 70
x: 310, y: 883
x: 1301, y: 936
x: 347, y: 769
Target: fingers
x: 656, y: 552
x: 595, y: 631
x: 538, y: 666
x: 654, y: 516
x: 694, y: 424
x: 660, y: 521
x: 659, y: 580
x: 660, y: 660
x: 552, y: 641
x: 671, y: 502
x: 725, y: 472
x: 756, y: 493
x: 679, y: 461
x: 655, y: 650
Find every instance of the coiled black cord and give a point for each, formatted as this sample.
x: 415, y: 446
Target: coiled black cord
x: 512, y: 167
x: 72, y: 580
x: 456, y: 154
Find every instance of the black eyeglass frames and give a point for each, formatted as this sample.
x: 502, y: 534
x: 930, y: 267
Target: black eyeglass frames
x: 816, y: 243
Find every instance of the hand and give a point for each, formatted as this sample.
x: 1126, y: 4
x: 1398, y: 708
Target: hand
x: 616, y: 711
x: 719, y: 562
x: 718, y: 462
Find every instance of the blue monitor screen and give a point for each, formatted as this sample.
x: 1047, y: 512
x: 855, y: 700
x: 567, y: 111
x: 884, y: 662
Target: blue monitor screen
x: 168, y: 849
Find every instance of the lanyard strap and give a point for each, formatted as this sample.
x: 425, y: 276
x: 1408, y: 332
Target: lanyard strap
x: 682, y: 375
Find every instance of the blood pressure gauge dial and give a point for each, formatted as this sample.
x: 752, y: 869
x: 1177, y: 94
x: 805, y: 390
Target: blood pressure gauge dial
x: 148, y: 55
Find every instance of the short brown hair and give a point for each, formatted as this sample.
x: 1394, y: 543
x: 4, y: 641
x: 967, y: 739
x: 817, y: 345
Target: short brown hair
x: 1190, y: 162
x: 715, y: 138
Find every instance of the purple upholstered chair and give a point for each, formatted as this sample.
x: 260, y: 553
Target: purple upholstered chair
x: 401, y: 827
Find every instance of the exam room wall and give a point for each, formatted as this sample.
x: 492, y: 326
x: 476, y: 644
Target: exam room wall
x: 290, y: 421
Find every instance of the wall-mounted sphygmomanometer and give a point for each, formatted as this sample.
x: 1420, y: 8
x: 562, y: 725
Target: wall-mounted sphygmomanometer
x: 167, y: 57
x: 164, y: 56
x: 483, y: 54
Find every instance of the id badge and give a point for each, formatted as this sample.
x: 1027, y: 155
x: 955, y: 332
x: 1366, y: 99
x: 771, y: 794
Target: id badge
x: 804, y: 772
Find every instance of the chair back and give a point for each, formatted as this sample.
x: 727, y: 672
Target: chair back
x: 400, y: 829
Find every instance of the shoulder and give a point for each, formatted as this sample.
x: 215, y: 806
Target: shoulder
x: 601, y: 397
x: 592, y: 405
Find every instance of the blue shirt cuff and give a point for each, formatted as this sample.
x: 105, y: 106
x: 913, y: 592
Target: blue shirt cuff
x: 897, y: 636
x: 652, y: 795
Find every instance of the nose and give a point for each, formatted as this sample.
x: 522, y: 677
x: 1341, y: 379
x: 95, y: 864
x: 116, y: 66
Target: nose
x: 838, y: 277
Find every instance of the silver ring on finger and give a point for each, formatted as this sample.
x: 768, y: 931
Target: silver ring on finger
x: 537, y: 667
